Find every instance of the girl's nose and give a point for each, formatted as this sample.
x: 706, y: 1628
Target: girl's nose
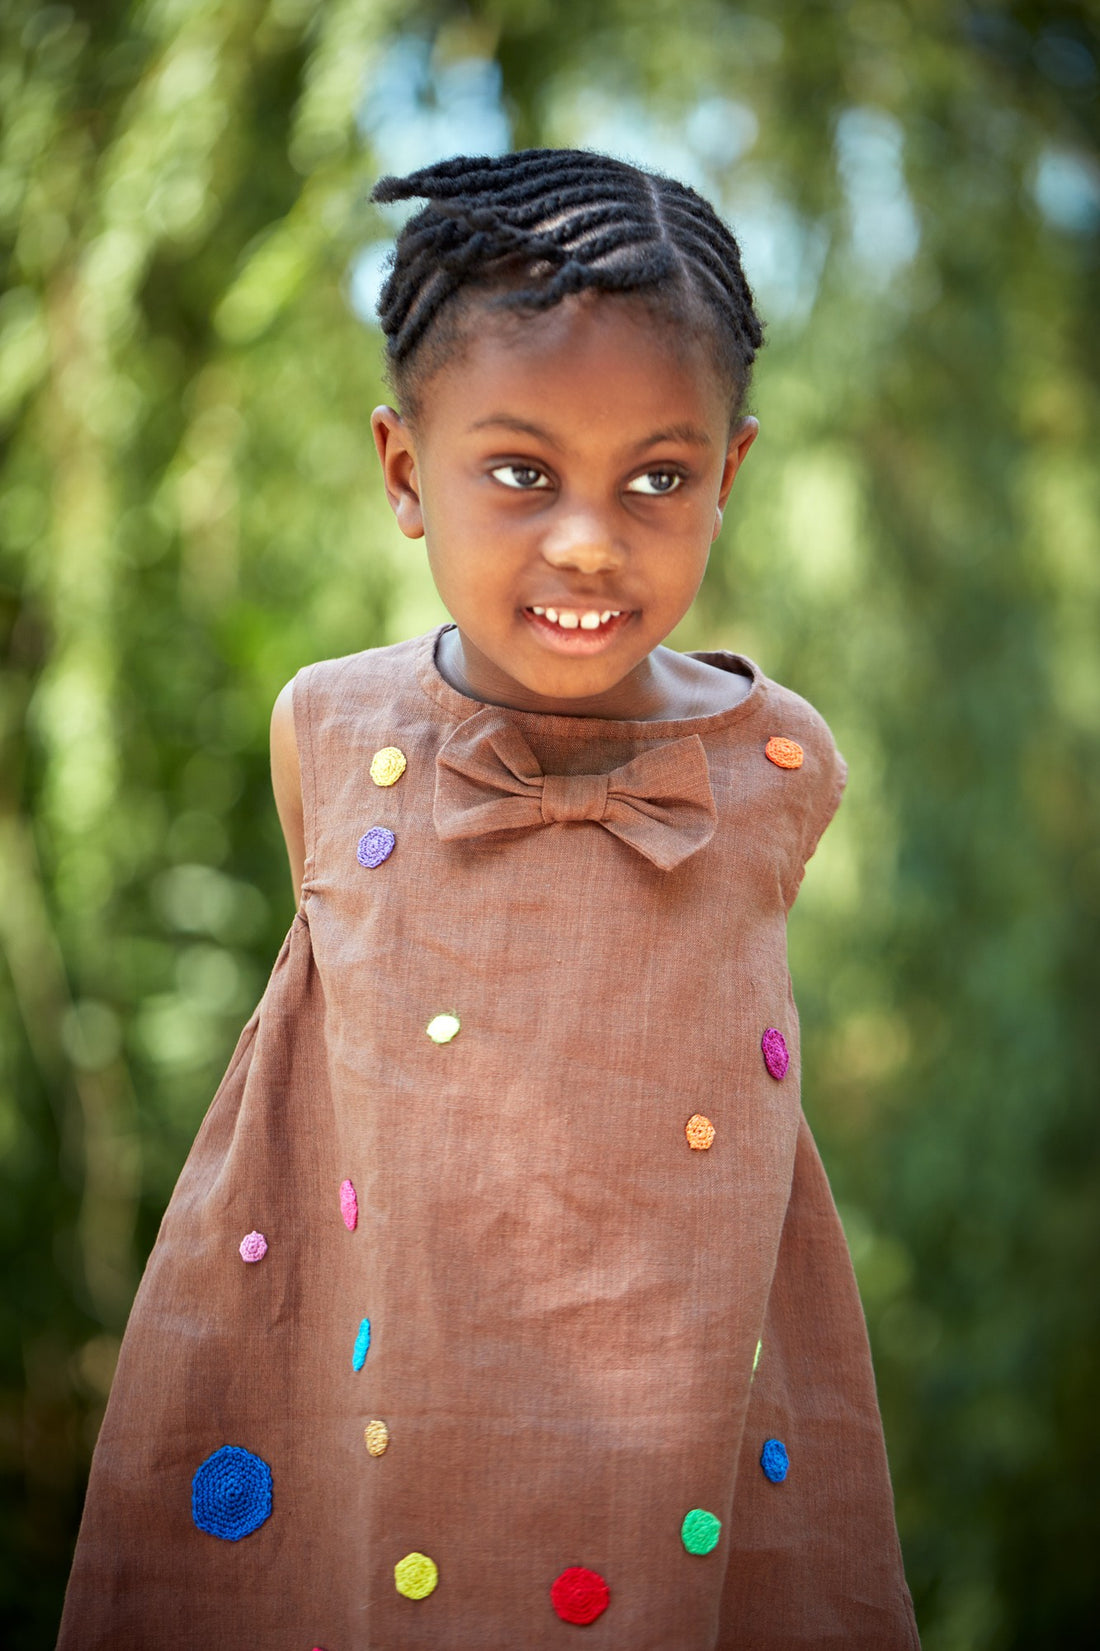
x: 582, y: 540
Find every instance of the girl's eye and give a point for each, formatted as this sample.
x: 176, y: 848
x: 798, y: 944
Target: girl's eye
x: 655, y: 482
x: 522, y: 476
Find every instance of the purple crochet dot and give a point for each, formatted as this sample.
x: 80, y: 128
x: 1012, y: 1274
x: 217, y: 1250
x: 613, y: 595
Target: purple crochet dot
x: 375, y: 846
x: 776, y: 1058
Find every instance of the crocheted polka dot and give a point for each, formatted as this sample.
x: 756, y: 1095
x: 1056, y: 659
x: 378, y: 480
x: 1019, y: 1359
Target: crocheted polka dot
x: 700, y: 1531
x: 231, y: 1493
x: 375, y: 846
x: 362, y: 1346
x: 579, y: 1595
x: 415, y: 1576
x: 699, y: 1132
x: 776, y: 1058
x: 443, y: 1028
x: 349, y: 1206
x: 387, y: 765
x: 774, y: 1460
x: 783, y: 752
x: 253, y: 1247
x: 376, y: 1437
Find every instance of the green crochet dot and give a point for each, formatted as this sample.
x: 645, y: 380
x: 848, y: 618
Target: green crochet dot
x: 700, y: 1531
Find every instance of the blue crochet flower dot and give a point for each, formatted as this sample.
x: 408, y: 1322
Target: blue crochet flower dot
x: 231, y: 1493
x: 375, y: 846
x: 774, y: 1460
x: 362, y: 1343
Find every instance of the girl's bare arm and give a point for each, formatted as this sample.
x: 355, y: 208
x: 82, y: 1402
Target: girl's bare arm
x: 286, y: 782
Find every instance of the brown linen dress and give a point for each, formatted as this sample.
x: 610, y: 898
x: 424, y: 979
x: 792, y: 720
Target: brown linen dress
x: 565, y: 1296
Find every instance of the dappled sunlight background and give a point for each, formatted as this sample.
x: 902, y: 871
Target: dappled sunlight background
x: 189, y: 511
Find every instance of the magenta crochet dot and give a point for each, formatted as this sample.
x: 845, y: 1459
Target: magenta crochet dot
x: 253, y: 1247
x: 349, y: 1205
x: 776, y: 1058
x: 375, y: 846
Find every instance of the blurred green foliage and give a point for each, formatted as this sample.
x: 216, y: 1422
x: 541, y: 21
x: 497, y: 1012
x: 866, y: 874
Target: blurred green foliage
x: 189, y: 511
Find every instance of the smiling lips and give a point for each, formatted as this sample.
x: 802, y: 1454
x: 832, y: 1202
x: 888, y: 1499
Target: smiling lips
x: 571, y: 619
x: 577, y: 630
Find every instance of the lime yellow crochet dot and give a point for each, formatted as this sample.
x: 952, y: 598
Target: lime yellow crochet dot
x: 415, y: 1576
x: 443, y: 1028
x: 376, y: 1436
x: 387, y: 765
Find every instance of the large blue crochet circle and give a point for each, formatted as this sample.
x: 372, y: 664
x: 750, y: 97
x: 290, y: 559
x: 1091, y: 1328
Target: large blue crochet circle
x: 231, y: 1493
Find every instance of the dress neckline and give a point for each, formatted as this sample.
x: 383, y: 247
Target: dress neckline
x: 459, y: 706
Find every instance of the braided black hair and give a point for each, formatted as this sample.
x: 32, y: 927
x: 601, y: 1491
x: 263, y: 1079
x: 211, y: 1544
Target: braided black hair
x: 527, y: 229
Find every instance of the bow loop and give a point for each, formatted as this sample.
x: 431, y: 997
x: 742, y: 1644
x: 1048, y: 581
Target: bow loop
x: 488, y: 779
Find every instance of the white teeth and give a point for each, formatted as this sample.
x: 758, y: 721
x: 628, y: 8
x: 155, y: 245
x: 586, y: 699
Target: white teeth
x: 569, y: 619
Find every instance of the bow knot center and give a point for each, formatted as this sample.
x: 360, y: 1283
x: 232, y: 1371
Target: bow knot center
x: 573, y: 797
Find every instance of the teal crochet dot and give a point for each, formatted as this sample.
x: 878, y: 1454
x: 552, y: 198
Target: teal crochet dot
x: 700, y: 1531
x: 362, y: 1344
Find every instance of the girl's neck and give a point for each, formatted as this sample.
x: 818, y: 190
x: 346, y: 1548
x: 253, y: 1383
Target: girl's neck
x: 665, y: 686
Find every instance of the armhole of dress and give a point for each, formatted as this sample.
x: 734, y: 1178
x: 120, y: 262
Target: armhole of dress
x: 303, y: 735
x: 817, y: 826
x: 821, y: 823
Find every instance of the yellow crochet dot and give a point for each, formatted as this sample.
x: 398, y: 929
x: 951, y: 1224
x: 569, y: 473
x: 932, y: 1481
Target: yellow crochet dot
x: 700, y: 1132
x: 443, y: 1028
x: 376, y: 1435
x: 415, y: 1576
x: 387, y: 765
x: 784, y: 753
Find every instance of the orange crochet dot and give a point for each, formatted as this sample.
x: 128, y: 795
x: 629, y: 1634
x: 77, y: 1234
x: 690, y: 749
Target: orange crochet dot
x: 700, y: 1132
x: 783, y: 752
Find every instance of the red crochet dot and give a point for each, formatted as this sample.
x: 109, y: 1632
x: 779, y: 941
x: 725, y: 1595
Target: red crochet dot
x: 579, y: 1595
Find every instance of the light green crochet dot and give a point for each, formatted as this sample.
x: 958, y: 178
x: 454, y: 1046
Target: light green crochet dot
x: 700, y: 1531
x: 443, y: 1028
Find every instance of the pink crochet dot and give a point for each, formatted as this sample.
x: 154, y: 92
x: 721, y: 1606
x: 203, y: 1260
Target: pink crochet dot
x: 776, y: 1058
x: 253, y: 1247
x: 349, y: 1206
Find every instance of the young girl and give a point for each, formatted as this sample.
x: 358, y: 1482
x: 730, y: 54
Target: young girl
x: 502, y: 1295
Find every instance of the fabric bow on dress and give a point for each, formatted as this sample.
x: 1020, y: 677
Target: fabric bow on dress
x: 488, y: 779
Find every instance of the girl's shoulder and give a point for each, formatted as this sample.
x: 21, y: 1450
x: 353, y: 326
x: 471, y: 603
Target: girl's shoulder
x: 798, y: 745
x: 351, y: 679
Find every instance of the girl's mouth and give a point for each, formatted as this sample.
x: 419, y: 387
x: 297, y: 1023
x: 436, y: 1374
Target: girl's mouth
x: 577, y: 630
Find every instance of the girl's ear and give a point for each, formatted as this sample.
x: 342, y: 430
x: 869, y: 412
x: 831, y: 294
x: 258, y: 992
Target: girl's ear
x: 397, y: 455
x: 739, y: 443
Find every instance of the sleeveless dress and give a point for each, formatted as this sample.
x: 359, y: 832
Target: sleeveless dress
x: 502, y: 1298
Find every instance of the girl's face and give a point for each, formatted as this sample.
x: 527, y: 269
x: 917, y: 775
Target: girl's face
x: 568, y: 472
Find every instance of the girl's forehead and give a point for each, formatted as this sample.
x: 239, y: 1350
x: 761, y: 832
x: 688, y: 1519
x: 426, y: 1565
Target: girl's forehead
x: 602, y: 353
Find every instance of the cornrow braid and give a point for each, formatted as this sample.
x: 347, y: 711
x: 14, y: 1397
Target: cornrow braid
x: 533, y: 227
